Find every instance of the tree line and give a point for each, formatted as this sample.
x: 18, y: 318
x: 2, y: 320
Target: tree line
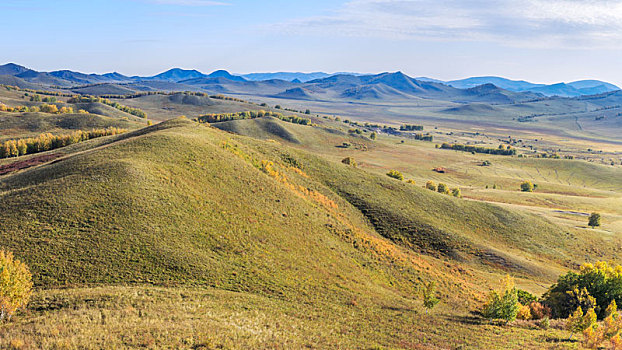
x: 502, y: 150
x: 92, y: 99
x: 409, y: 127
x: 47, y: 141
x: 44, y: 108
x: 223, y: 117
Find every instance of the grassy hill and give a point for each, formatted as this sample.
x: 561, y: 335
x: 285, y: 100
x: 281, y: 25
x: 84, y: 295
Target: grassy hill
x: 236, y: 214
x: 244, y: 234
x: 20, y: 125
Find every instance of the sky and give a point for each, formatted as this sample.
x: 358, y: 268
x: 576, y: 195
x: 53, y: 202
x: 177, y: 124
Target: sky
x: 543, y: 41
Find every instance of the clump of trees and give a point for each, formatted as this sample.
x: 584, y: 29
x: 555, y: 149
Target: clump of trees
x: 595, y: 286
x: 45, y: 108
x: 223, y: 117
x: 527, y: 186
x: 15, y: 285
x: 502, y: 150
x: 396, y: 175
x: 37, y: 98
x: 594, y: 220
x: 394, y: 131
x: 5, y: 108
x: 408, y: 127
x: 47, y: 141
x: 442, y: 188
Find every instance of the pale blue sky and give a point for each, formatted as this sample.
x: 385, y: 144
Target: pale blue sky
x: 537, y: 40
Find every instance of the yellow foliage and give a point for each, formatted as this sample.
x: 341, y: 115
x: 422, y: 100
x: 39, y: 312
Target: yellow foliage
x: 15, y: 285
x: 524, y: 313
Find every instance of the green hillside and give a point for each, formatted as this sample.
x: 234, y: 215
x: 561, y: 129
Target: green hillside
x: 207, y: 211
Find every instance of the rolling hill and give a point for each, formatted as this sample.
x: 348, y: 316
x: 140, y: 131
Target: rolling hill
x: 129, y: 192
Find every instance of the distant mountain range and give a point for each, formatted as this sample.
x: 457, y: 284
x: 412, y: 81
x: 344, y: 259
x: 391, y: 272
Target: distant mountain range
x: 317, y: 85
x: 573, y: 89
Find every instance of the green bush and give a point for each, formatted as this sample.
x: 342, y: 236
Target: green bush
x: 594, y: 220
x: 456, y: 192
x: 429, y: 296
x: 442, y: 188
x: 527, y: 186
x: 503, y: 303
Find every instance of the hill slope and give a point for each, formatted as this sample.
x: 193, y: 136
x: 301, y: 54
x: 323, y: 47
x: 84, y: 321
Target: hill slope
x: 189, y: 205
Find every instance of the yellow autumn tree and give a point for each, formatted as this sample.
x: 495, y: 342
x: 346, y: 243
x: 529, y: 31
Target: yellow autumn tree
x: 15, y: 285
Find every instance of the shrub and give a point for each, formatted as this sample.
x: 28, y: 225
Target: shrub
x: 456, y: 192
x: 45, y: 108
x: 595, y: 286
x: 430, y: 185
x: 594, y: 220
x: 410, y: 181
x: 372, y: 136
x: 15, y: 285
x: 429, y: 296
x: 503, y: 303
x: 524, y: 313
x: 545, y: 323
x: 395, y: 174
x: 349, y: 161
x: 527, y: 186
x: 539, y: 311
x: 442, y: 188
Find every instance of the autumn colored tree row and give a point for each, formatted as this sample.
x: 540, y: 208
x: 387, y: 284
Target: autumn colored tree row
x: 47, y: 141
x: 45, y: 108
x: 223, y: 117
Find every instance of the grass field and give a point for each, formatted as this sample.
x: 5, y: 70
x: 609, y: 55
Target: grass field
x: 253, y: 234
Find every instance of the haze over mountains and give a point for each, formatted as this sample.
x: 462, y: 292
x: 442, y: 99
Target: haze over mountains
x: 311, y: 86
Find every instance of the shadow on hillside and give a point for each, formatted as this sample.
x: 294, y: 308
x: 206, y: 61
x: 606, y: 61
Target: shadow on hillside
x: 468, y: 319
x: 559, y: 340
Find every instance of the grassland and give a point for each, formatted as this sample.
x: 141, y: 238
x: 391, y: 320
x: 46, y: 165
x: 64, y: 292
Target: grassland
x: 253, y: 234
